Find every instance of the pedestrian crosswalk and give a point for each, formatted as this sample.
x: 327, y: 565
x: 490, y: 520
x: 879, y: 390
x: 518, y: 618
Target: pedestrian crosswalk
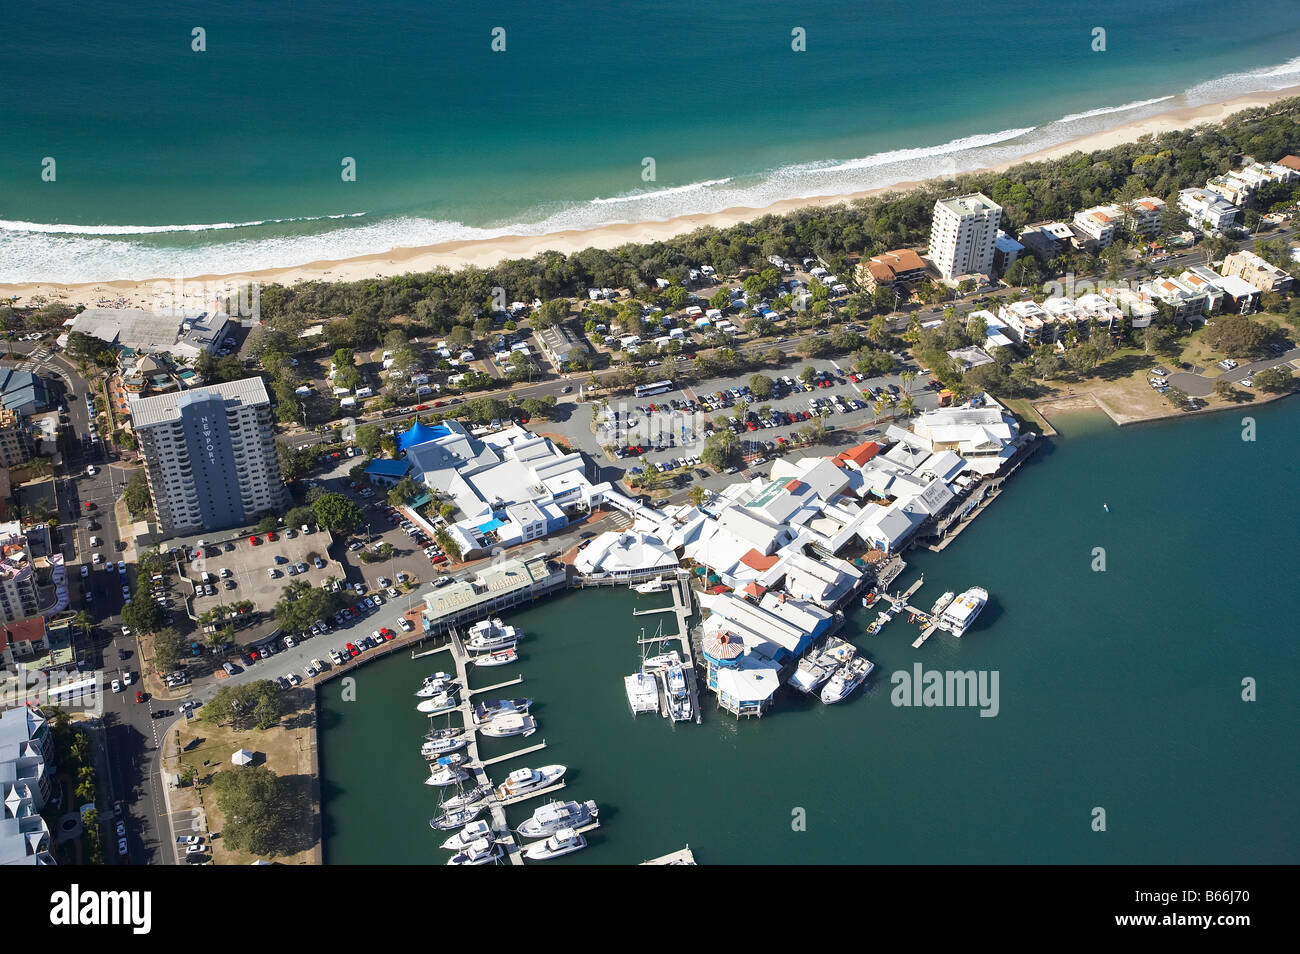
x: 36, y: 360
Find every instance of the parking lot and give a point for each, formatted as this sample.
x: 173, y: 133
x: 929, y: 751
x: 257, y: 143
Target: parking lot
x: 666, y: 434
x: 243, y: 570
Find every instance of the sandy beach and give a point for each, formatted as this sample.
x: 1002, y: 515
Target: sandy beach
x: 486, y: 252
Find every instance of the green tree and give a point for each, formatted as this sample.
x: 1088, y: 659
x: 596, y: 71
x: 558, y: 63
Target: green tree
x: 721, y: 450
x: 257, y: 809
x: 142, y: 613
x: 337, y: 513
x: 168, y: 648
x: 368, y: 437
x: 402, y: 491
x: 136, y: 494
x: 300, y: 517
x: 762, y: 386
x: 1236, y: 335
x: 259, y: 703
x: 1274, y: 380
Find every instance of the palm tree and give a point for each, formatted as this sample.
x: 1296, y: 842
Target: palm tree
x: 696, y: 495
x: 907, y: 405
x: 907, y: 377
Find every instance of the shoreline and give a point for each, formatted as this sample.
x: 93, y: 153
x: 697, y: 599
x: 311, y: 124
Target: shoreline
x: 487, y: 252
x: 1087, y: 401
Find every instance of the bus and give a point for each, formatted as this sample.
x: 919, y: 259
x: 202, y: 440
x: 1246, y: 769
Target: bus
x: 658, y: 387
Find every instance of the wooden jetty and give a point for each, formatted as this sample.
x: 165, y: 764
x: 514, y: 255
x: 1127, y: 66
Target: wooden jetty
x: 500, y: 685
x: 682, y: 857
x: 430, y: 652
x: 514, y: 755
x: 476, y: 767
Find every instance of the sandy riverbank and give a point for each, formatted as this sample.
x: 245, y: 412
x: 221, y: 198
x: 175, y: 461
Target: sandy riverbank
x: 486, y: 252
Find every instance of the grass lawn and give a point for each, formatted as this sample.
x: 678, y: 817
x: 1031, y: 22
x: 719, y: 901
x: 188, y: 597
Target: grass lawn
x: 286, y: 750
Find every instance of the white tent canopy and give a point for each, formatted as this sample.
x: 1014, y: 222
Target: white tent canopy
x: 242, y: 757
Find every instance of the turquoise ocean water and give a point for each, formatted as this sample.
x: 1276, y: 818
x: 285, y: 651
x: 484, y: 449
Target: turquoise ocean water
x: 1119, y: 690
x: 171, y: 161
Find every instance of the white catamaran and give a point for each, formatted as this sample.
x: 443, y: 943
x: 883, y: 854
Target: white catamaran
x: 961, y: 612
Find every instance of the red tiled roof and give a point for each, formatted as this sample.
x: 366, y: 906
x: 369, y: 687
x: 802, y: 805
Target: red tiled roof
x: 23, y: 631
x: 757, y: 561
x: 794, y: 486
x: 1291, y: 162
x: 754, y: 590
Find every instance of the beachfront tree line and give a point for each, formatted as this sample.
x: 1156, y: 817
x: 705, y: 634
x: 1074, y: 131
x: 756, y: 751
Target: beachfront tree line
x: 439, y: 301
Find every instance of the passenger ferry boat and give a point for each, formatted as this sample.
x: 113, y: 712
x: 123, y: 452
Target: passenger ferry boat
x: 962, y: 611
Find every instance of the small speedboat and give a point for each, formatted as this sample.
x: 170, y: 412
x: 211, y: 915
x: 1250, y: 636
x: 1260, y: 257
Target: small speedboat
x: 508, y: 724
x: 553, y: 816
x: 563, y: 842
x: 467, y: 798
x: 499, y: 657
x: 524, y: 780
x: 468, y: 835
x: 443, y: 775
x: 443, y: 746
x: 455, y: 818
x: 481, y: 852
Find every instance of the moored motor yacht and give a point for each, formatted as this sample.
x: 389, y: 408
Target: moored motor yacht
x: 508, y: 724
x: 481, y: 852
x: 485, y: 711
x: 468, y: 835
x: 563, y: 842
x: 551, y: 817
x: 443, y: 746
x: 439, y: 703
x: 847, y: 678
x: 490, y: 634
x: 432, y: 689
x: 443, y: 775
x: 524, y: 780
